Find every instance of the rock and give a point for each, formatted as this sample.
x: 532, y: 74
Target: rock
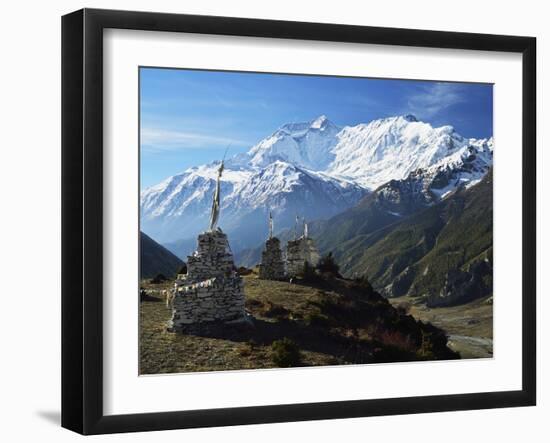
x: 464, y: 286
x: 272, y: 266
x: 298, y: 252
x: 211, y: 291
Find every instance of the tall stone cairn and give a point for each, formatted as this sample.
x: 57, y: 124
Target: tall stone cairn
x: 298, y: 252
x: 272, y: 266
x: 211, y: 291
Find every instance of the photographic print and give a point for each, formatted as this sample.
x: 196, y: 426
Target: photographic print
x: 301, y: 220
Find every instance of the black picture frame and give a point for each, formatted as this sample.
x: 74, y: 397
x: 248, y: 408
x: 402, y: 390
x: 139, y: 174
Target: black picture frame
x: 82, y: 215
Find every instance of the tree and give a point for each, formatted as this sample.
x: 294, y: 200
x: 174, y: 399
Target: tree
x: 308, y: 273
x: 285, y: 353
x: 328, y: 265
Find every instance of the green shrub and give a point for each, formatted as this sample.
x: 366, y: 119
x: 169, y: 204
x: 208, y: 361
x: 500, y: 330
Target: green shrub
x: 328, y: 265
x: 403, y: 308
x: 159, y: 278
x: 285, y: 353
x: 309, y: 274
x: 363, y: 283
x: 425, y: 351
x: 273, y: 310
x: 244, y: 271
x: 252, y: 303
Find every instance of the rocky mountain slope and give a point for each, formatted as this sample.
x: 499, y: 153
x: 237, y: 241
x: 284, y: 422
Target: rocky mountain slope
x: 409, y: 244
x: 442, y: 253
x: 156, y: 259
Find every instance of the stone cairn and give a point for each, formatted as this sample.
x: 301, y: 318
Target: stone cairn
x: 298, y: 252
x: 211, y: 291
x: 272, y: 266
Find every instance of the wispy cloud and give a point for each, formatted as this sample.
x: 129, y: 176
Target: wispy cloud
x: 155, y: 140
x: 435, y: 98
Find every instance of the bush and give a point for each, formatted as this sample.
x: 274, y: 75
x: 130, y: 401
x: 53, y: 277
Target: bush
x: 285, y: 353
x: 403, y: 308
x: 316, y: 319
x: 426, y: 350
x: 252, y: 303
x: 309, y: 274
x: 244, y: 271
x: 328, y: 265
x: 273, y: 310
x: 363, y: 283
x: 159, y: 278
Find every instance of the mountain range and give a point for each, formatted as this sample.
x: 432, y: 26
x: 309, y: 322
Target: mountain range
x: 422, y: 253
x: 384, y: 170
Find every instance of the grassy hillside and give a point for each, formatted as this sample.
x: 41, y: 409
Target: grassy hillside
x: 325, y: 322
x: 372, y: 213
x: 156, y: 259
x: 414, y: 255
x: 437, y: 247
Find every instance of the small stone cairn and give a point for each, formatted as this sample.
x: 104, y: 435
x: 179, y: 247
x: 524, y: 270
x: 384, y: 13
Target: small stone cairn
x: 211, y: 292
x: 272, y: 266
x: 298, y: 252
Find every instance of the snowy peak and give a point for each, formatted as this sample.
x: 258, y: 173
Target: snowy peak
x: 282, y: 182
x: 391, y: 148
x: 320, y: 122
x: 305, y: 144
x: 369, y: 153
x: 181, y: 206
x: 318, y: 169
x: 299, y: 129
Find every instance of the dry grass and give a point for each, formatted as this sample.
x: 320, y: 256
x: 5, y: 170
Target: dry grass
x: 166, y: 352
x: 280, y: 310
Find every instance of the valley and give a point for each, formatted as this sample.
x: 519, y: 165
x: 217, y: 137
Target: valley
x: 469, y: 326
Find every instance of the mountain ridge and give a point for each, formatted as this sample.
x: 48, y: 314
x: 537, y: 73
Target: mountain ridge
x: 317, y: 170
x: 156, y: 259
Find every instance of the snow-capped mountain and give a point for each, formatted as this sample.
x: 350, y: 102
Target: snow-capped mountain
x: 316, y: 170
x: 391, y: 148
x: 180, y: 206
x: 465, y: 167
x: 308, y: 145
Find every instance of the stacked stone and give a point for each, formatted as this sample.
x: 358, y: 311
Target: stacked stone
x: 211, y: 291
x: 298, y: 252
x: 212, y: 258
x: 272, y: 266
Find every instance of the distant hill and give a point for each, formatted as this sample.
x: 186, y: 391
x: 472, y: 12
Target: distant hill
x: 156, y: 259
x: 444, y: 248
x: 182, y: 248
x: 407, y: 245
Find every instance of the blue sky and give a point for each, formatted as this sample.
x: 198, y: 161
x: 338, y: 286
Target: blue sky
x: 188, y: 117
